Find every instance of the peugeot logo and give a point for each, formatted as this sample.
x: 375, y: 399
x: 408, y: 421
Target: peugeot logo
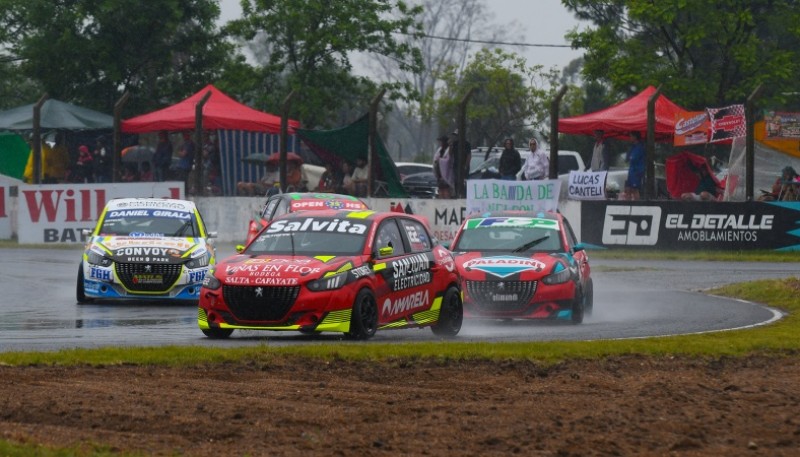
x: 501, y: 285
x: 259, y: 292
x: 148, y: 268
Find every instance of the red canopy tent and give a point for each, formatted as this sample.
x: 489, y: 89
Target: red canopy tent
x: 624, y: 117
x: 220, y: 112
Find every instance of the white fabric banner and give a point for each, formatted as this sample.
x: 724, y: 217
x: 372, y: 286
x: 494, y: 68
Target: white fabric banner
x: 501, y: 195
x: 587, y: 185
x: 56, y: 213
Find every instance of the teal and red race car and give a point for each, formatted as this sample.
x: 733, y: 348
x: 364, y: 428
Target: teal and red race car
x: 353, y: 272
x: 146, y: 248
x: 522, y: 265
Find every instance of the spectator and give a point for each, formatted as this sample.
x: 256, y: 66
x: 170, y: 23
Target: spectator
x: 186, y: 162
x: 327, y: 182
x: 537, y: 164
x: 635, y: 158
x: 359, y: 177
x: 784, y: 188
x: 262, y: 186
x: 601, y: 156
x: 43, y: 170
x: 162, y: 159
x: 102, y: 162
x: 129, y: 173
x: 147, y: 173
x: 82, y: 170
x: 444, y: 168
x: 58, y: 161
x: 706, y: 188
x: 510, y: 161
x: 347, y: 186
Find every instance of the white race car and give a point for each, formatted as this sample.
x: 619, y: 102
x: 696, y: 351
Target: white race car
x: 146, y: 248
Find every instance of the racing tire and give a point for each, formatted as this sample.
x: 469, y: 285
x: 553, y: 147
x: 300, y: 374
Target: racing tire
x: 451, y: 315
x: 216, y: 333
x: 364, y: 317
x: 588, y: 298
x: 578, y: 308
x: 80, y: 293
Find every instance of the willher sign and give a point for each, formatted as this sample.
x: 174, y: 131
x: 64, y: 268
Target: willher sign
x: 500, y: 195
x: 56, y: 213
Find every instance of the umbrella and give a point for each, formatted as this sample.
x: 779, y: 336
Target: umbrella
x: 137, y: 154
x: 262, y: 158
x: 275, y: 158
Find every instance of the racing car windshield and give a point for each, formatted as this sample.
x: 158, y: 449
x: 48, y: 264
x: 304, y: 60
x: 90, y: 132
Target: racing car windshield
x: 509, y: 235
x: 312, y: 236
x: 150, y: 223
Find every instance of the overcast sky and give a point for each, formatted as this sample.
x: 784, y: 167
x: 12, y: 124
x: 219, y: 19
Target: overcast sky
x: 544, y: 22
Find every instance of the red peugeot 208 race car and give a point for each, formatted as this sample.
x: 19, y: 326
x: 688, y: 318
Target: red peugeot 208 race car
x: 353, y: 272
x: 522, y: 265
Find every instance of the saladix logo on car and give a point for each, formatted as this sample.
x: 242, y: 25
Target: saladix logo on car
x: 504, y: 265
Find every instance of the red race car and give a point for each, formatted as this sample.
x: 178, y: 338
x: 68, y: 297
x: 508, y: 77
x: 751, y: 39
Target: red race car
x: 280, y: 204
x: 522, y: 265
x: 335, y: 271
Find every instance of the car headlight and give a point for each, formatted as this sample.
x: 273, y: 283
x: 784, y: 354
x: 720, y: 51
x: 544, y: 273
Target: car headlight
x: 330, y: 283
x: 95, y: 258
x: 199, y: 262
x: 211, y: 281
x: 559, y: 275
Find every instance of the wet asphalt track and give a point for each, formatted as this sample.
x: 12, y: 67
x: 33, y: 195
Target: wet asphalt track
x: 633, y: 299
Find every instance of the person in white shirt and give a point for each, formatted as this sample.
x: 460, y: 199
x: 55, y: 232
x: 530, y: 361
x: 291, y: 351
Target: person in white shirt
x: 359, y: 177
x: 537, y: 163
x: 601, y: 158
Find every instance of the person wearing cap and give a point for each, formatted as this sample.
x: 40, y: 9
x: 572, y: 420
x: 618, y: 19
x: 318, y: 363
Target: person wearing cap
x: 537, y: 162
x: 82, y: 170
x: 635, y: 158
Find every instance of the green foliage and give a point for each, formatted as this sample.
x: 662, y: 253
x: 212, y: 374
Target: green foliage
x: 90, y: 52
x: 703, y: 53
x: 307, y: 46
x: 508, y: 98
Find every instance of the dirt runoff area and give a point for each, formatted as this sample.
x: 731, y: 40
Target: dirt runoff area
x: 620, y: 406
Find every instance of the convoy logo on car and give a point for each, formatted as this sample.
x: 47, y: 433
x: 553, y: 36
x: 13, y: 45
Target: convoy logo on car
x: 511, y: 222
x: 504, y: 266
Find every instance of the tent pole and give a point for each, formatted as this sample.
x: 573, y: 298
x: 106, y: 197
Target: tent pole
x: 461, y: 152
x: 284, y: 139
x: 553, y: 172
x: 750, y: 144
x: 199, y: 185
x: 372, y: 138
x: 36, y: 140
x: 117, y: 146
x: 650, y: 147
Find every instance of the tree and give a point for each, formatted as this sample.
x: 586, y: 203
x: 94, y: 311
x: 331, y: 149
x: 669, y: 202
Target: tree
x: 309, y: 45
x: 447, y: 27
x: 90, y: 52
x: 509, y: 98
x: 703, y: 53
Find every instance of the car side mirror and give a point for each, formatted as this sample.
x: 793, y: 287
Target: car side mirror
x: 385, y: 251
x: 239, y: 248
x: 86, y: 232
x: 445, y: 244
x: 213, y: 234
x: 579, y: 247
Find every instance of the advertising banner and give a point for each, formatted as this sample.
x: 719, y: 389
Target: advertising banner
x: 727, y: 123
x: 56, y: 213
x: 692, y: 225
x: 781, y: 126
x: 5, y: 212
x: 691, y: 127
x: 501, y: 195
